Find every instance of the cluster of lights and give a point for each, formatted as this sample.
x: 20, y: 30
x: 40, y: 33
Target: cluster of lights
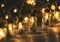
x: 28, y: 21
x: 53, y: 7
x: 15, y: 9
x: 59, y: 7
x: 32, y: 2
x: 2, y: 33
x: 31, y: 20
x: 50, y: 13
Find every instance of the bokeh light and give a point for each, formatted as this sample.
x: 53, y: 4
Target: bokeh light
x: 15, y: 10
x: 53, y: 7
x: 2, y: 5
x: 32, y: 2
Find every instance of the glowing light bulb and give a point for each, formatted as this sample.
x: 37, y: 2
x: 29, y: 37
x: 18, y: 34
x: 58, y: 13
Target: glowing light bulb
x: 46, y: 17
x: 26, y: 19
x: 32, y: 2
x: 2, y: 34
x: 2, y: 5
x: 43, y: 10
x: 14, y: 26
x: 56, y: 14
x: 10, y: 27
x: 53, y: 7
x: 20, y: 25
x: 15, y: 10
x: 59, y: 7
x: 6, y: 17
x: 32, y: 19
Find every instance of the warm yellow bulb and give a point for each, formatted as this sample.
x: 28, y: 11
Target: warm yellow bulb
x: 14, y: 26
x: 2, y: 5
x: 20, y: 25
x: 43, y: 10
x: 59, y: 7
x: 6, y: 17
x: 46, y: 16
x: 5, y: 30
x: 32, y: 2
x: 2, y: 34
x: 53, y: 7
x: 32, y: 19
x: 10, y: 27
x: 15, y: 10
x: 56, y: 14
x: 26, y: 19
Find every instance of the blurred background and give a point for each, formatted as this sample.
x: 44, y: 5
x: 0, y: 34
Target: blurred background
x: 32, y: 18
